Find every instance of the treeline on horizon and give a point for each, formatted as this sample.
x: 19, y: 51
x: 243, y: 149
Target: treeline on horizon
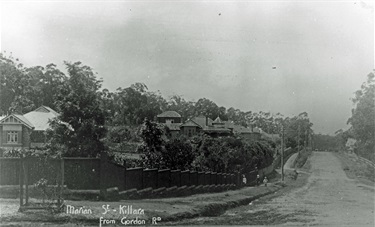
x: 23, y: 89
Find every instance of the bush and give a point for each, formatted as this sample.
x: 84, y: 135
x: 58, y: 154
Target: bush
x: 230, y: 154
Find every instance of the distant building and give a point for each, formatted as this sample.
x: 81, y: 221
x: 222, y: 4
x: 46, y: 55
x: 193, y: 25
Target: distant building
x: 169, y: 117
x: 201, y: 124
x: 217, y: 128
x: 190, y: 128
x: 26, y: 131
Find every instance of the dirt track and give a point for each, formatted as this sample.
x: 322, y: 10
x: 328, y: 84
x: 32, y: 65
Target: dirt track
x: 328, y: 198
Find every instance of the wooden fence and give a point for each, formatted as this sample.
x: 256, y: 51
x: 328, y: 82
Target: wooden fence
x: 95, y: 174
x: 98, y: 173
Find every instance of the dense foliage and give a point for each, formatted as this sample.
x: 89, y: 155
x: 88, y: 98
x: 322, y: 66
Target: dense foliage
x: 202, y: 153
x: 362, y: 120
x: 79, y: 129
x: 24, y: 89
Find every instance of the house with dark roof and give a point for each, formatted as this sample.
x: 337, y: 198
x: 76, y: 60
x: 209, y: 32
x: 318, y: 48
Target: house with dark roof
x: 202, y: 121
x: 26, y: 131
x: 169, y: 117
x: 190, y: 128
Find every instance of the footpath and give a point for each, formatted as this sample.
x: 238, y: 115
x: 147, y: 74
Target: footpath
x: 135, y: 212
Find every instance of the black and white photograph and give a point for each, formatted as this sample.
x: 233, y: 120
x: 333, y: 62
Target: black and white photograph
x: 187, y: 113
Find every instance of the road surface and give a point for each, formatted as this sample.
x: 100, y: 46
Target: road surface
x: 329, y: 198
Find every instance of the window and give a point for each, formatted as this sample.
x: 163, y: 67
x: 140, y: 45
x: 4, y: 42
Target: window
x: 12, y: 137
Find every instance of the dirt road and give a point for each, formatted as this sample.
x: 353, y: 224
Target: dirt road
x: 329, y: 198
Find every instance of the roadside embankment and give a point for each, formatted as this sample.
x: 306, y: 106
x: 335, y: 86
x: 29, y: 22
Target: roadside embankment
x: 301, y: 158
x: 357, y: 168
x: 167, y: 209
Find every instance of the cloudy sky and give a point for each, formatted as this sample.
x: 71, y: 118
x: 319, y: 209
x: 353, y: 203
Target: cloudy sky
x: 278, y: 56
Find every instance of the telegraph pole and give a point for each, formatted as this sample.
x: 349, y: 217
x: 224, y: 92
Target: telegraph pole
x: 282, y: 153
x: 298, y: 138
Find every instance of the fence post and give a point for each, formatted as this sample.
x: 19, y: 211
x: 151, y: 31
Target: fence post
x: 61, y: 182
x: 124, y: 164
x: 26, y: 172
x: 103, y: 180
x: 21, y: 180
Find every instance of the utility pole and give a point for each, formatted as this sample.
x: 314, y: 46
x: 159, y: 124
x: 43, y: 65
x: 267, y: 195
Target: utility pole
x: 282, y: 153
x: 298, y: 138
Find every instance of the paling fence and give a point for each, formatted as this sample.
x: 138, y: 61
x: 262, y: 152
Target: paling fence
x: 98, y: 173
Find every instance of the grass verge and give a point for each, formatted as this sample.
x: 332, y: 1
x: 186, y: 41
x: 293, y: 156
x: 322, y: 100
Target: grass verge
x: 356, y: 169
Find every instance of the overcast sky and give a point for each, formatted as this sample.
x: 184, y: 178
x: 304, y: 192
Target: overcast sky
x: 278, y: 56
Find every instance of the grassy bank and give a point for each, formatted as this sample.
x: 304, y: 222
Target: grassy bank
x: 356, y: 169
x: 302, y: 157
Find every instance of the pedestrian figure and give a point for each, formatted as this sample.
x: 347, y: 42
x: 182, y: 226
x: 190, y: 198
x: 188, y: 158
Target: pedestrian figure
x: 244, y: 181
x: 265, y: 180
x: 258, y: 180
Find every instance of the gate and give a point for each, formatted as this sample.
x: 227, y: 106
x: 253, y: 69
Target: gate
x: 41, y: 183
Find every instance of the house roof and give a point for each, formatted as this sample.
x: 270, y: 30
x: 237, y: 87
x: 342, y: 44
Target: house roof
x: 36, y: 119
x: 39, y: 118
x: 46, y: 109
x: 20, y: 118
x: 169, y: 114
x: 218, y: 121
x: 190, y: 123
x: 201, y: 120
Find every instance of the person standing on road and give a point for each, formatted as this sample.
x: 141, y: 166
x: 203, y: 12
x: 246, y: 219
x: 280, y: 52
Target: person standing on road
x: 244, y: 180
x: 258, y: 179
x: 265, y: 181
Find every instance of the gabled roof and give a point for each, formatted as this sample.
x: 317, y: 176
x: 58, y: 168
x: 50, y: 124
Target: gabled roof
x: 46, y: 109
x: 218, y: 121
x: 169, y: 114
x: 201, y: 120
x: 40, y: 117
x: 190, y: 123
x: 20, y: 118
x: 36, y: 119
